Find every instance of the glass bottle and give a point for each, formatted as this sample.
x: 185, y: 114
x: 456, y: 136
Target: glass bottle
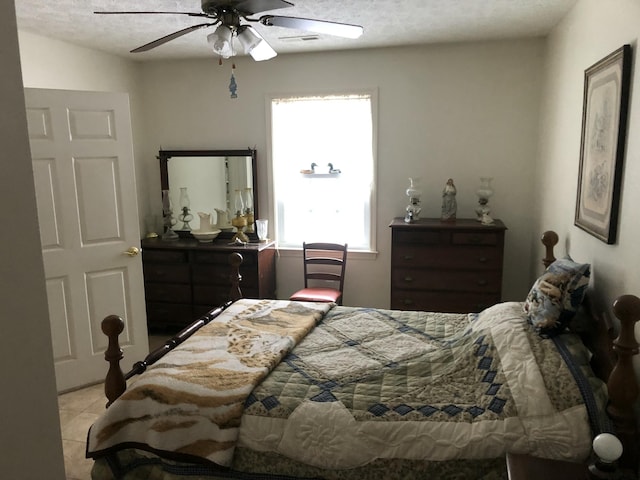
x: 185, y: 204
x: 167, y: 215
x: 238, y: 204
x: 248, y: 199
x: 414, y: 193
x: 484, y: 192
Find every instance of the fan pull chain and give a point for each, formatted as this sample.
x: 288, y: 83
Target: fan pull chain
x: 233, y: 86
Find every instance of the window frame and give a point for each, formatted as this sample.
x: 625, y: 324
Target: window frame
x: 372, y: 93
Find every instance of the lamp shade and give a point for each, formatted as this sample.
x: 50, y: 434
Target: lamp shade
x: 262, y: 51
x: 253, y: 44
x: 248, y: 39
x: 220, y: 41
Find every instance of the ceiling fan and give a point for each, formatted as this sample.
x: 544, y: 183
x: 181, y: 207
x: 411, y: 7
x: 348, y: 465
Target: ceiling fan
x: 227, y: 14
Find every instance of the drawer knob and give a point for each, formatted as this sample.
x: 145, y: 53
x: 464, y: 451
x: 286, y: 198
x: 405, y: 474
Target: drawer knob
x: 482, y: 259
x: 407, y: 257
x: 407, y: 301
x: 408, y: 279
x: 482, y: 282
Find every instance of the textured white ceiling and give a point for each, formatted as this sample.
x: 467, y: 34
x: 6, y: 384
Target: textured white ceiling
x: 385, y: 22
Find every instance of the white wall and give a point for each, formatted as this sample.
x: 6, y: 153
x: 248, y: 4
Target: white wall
x: 592, y: 30
x: 51, y: 63
x: 460, y: 111
x: 28, y: 406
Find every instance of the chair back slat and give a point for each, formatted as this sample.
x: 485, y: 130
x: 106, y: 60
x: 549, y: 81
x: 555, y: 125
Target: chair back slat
x: 332, y: 277
x: 324, y: 261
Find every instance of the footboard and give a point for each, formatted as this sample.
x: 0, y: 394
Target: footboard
x: 116, y: 381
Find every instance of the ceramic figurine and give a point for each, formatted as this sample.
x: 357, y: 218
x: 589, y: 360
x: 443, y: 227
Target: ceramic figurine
x: 449, y: 205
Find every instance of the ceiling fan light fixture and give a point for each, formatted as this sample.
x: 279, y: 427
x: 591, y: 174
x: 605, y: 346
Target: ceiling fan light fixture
x: 227, y: 14
x: 220, y: 41
x: 262, y: 51
x: 253, y: 44
x: 248, y: 39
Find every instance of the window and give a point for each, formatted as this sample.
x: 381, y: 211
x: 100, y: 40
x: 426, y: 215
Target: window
x: 336, y: 202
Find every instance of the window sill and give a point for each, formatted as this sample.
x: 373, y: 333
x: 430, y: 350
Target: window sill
x: 351, y: 254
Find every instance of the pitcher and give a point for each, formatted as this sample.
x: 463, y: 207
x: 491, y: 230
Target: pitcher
x: 223, y: 218
x: 205, y: 222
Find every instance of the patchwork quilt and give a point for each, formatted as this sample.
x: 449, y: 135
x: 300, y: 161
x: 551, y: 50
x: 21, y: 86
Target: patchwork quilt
x: 375, y: 384
x: 366, y: 389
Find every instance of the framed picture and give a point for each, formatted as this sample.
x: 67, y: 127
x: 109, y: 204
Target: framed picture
x: 604, y: 125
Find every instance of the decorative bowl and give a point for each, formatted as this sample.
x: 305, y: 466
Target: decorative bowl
x: 205, y: 236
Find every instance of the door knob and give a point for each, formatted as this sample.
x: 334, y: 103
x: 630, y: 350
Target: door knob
x: 132, y: 251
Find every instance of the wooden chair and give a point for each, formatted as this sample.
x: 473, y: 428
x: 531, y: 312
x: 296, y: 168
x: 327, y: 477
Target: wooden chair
x: 322, y: 262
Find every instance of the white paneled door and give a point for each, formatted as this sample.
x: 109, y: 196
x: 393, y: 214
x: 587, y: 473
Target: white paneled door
x: 83, y: 168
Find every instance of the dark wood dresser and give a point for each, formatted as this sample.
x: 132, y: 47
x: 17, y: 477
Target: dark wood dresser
x: 184, y: 279
x: 446, y: 266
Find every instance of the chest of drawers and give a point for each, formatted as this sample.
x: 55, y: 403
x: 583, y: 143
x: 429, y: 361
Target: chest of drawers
x: 446, y: 266
x: 184, y: 279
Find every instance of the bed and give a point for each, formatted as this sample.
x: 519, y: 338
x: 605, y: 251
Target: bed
x: 272, y: 389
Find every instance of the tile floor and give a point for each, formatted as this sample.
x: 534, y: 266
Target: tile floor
x: 78, y: 410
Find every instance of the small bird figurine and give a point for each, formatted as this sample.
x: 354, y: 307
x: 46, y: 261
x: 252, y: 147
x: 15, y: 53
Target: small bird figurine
x: 331, y: 169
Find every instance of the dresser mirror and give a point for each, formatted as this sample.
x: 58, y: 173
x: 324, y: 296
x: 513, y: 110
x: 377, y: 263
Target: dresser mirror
x: 210, y: 178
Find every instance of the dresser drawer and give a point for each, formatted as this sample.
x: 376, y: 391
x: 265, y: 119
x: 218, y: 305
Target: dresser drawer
x: 476, y: 238
x: 249, y: 259
x: 425, y: 237
x: 167, y: 292
x: 162, y: 314
x: 164, y: 256
x: 451, y: 302
x: 481, y: 257
x: 488, y: 281
x: 212, y: 295
x: 166, y: 272
x: 218, y: 275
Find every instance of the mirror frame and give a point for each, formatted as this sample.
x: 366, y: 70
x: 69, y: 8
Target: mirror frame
x: 165, y: 155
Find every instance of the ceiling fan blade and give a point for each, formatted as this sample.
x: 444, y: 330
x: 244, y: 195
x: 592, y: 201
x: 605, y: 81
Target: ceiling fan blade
x: 262, y: 51
x: 169, y: 37
x: 249, y: 7
x: 191, y: 14
x: 319, y: 26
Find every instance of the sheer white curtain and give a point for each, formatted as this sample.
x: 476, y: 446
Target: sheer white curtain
x: 323, y: 130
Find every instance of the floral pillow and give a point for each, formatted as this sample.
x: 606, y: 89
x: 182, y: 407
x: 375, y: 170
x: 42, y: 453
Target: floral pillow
x: 556, y: 295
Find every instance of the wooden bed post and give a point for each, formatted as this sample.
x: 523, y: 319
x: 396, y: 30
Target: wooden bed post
x: 114, y: 383
x: 622, y: 383
x: 549, y: 240
x: 235, y: 259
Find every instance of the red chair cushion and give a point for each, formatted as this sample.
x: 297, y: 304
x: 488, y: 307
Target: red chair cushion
x: 316, y: 295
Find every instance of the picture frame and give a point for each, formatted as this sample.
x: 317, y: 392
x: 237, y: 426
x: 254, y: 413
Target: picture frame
x: 602, y: 144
